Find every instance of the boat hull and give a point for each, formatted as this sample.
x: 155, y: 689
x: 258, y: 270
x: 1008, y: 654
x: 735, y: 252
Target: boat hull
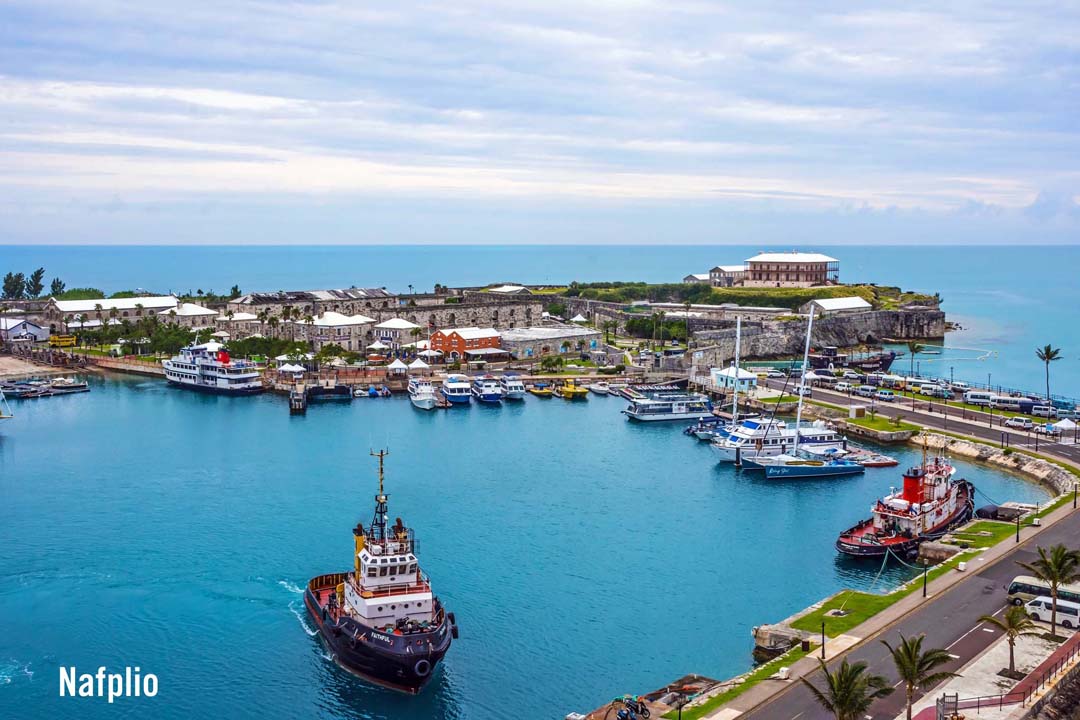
x: 426, y: 402
x: 492, y: 398
x: 211, y: 390
x: 514, y: 395
x: 782, y: 472
x: 405, y: 663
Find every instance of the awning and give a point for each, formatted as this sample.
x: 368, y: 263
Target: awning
x: 418, y: 364
x: 1065, y: 424
x: 397, y: 365
x: 430, y: 353
x: 291, y: 369
x: 486, y: 351
x: 579, y: 318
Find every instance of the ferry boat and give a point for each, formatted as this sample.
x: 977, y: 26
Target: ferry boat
x: 457, y: 389
x: 571, y: 390
x: 381, y: 621
x: 930, y: 503
x: 512, y: 387
x: 486, y: 389
x: 421, y: 394
x: 541, y: 389
x: 208, y: 368
x: 830, y: 358
x: 669, y: 406
x: 763, y: 437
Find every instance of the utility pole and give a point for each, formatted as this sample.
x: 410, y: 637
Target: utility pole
x: 822, y: 639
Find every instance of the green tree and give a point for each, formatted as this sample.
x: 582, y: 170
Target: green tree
x: 1048, y: 354
x: 1015, y: 623
x: 234, y: 292
x: 14, y: 286
x: 850, y: 691
x: 35, y: 284
x: 916, y: 667
x: 1060, y: 566
x: 914, y: 349
x: 56, y: 287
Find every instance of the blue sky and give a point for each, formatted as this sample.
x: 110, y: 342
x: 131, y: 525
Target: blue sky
x: 590, y: 121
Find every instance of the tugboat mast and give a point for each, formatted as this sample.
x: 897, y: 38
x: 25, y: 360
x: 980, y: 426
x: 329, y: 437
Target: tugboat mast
x: 378, y: 523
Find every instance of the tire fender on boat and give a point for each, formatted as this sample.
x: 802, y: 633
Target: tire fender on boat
x: 422, y: 667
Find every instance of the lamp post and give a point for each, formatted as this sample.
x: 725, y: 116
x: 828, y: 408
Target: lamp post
x: 951, y: 378
x: 1018, y: 527
x: 925, y: 570
x: 822, y: 639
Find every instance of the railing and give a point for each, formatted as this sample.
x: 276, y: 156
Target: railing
x: 948, y: 706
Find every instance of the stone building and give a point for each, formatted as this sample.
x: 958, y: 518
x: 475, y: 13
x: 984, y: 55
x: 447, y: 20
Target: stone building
x: 534, y: 342
x: 333, y: 328
x: 791, y: 269
x: 727, y: 275
x: 836, y: 306
x: 62, y: 315
x: 189, y: 315
x: 396, y: 332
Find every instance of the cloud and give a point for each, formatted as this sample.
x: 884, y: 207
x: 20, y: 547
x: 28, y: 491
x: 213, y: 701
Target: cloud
x: 966, y: 110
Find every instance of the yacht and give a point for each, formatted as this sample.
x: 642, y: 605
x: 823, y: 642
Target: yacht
x: 208, y: 368
x: 65, y: 386
x: 765, y: 437
x: 512, y: 387
x: 669, y: 406
x: 421, y: 394
x: 600, y: 388
x: 486, y: 389
x: 457, y: 389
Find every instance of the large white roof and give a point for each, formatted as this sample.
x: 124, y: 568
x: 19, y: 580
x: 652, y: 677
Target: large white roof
x: 397, y: 324
x: 783, y: 257
x: 846, y: 303
x: 7, y: 323
x: 336, y: 319
x: 729, y: 371
x: 507, y: 289
x: 189, y: 310
x: 472, y: 333
x: 242, y: 317
x: 151, y: 303
x: 546, y: 333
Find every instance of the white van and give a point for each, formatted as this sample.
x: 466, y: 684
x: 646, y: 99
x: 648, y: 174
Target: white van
x: 1004, y: 402
x: 866, y: 391
x: 1068, y: 613
x: 844, y: 387
x: 1046, y: 411
x: 885, y: 395
x: 979, y: 397
x: 959, y: 386
x: 937, y: 391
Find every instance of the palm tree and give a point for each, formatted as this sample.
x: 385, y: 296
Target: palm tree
x: 914, y: 349
x: 849, y: 691
x: 916, y: 667
x: 1015, y: 623
x: 1048, y: 354
x: 1060, y: 566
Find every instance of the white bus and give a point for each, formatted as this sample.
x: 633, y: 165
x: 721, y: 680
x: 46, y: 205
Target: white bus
x: 1025, y: 587
x: 979, y: 397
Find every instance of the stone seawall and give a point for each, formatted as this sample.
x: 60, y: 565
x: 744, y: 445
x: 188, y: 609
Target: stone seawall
x: 1049, y: 474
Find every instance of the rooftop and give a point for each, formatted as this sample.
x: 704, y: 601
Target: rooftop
x: 295, y: 296
x: 472, y: 333
x: 846, y: 303
x: 792, y: 257
x: 188, y: 310
x: 546, y: 333
x: 336, y: 319
x: 730, y: 268
x: 6, y: 323
x: 509, y: 289
x: 397, y: 324
x: 151, y: 302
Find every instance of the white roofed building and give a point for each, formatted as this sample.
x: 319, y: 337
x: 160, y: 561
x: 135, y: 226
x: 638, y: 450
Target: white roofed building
x: 729, y: 377
x: 837, y: 306
x: 189, y: 315
x: 791, y: 269
x: 534, y: 342
x: 694, y: 278
x: 396, y: 332
x: 18, y: 328
x: 334, y: 328
x: 59, y: 313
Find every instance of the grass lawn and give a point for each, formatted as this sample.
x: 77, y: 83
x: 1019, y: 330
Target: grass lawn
x: 998, y: 532
x: 883, y: 424
x: 761, y: 673
x: 781, y: 399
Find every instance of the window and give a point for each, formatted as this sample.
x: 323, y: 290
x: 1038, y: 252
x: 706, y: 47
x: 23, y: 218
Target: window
x: 412, y: 568
x: 382, y: 572
x: 372, y: 572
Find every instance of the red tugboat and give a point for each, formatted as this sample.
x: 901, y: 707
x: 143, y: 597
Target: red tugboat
x: 381, y: 621
x: 930, y: 504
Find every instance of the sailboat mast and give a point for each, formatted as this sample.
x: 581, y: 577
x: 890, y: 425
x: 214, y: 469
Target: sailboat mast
x: 735, y: 394
x: 802, y: 378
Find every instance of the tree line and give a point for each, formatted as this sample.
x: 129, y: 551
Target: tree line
x: 20, y: 286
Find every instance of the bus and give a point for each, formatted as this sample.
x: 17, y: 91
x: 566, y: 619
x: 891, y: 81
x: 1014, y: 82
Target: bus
x: 61, y: 341
x: 1025, y: 587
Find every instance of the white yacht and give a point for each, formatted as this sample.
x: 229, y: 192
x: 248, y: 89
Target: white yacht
x: 486, y: 389
x: 208, y: 368
x: 764, y: 437
x: 669, y: 406
x: 457, y: 388
x: 421, y: 394
x: 600, y: 388
x: 512, y: 387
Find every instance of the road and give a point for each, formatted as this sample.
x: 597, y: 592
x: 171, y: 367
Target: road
x: 949, y: 620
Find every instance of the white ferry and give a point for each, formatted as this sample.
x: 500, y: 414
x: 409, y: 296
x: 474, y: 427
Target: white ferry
x: 486, y: 389
x: 512, y: 387
x: 764, y: 437
x: 421, y: 394
x: 208, y: 368
x: 669, y: 406
x: 457, y: 389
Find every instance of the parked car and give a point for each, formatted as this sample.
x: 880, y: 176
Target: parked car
x: 803, y: 390
x: 1046, y: 411
x: 937, y: 391
x: 1020, y: 423
x: 844, y: 387
x: 1048, y: 430
x: 959, y: 386
x: 852, y: 375
x: 775, y: 374
x: 885, y: 395
x: 1068, y: 613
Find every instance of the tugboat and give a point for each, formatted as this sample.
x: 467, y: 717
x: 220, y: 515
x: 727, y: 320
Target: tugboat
x: 830, y: 358
x: 929, y: 505
x: 381, y: 621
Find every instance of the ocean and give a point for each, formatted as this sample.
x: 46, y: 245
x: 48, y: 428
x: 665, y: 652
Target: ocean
x: 1008, y: 300
x: 584, y: 555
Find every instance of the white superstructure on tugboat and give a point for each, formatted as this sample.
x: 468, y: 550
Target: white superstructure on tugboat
x: 208, y: 368
x: 381, y: 621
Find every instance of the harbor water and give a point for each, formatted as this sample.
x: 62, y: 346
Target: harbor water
x: 584, y: 555
x: 1008, y: 299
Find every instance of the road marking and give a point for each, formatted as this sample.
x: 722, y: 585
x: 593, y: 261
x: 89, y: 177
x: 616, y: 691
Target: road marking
x: 954, y: 657
x: 988, y: 629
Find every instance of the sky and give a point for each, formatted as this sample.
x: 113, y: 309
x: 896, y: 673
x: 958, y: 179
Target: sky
x: 539, y: 121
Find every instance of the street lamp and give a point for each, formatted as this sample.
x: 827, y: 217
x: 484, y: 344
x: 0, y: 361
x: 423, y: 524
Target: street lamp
x: 822, y: 639
x: 951, y: 375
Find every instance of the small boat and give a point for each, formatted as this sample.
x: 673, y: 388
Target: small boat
x: 512, y: 387
x: 63, y: 386
x: 798, y: 466
x: 571, y: 390
x: 486, y: 389
x: 867, y: 458
x: 600, y: 388
x: 372, y: 391
x: 457, y: 389
x: 929, y: 504
x: 421, y: 394
x: 27, y: 390
x: 541, y: 389
x: 381, y: 620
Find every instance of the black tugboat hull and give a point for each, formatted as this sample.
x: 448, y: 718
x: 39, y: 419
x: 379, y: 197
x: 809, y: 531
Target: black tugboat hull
x: 405, y: 663
x: 229, y: 392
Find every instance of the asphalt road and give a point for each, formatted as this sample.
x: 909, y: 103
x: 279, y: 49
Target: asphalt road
x: 949, y: 620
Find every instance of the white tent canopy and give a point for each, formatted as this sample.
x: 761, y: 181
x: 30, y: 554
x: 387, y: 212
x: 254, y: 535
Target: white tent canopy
x: 1065, y: 424
x: 288, y: 368
x: 579, y: 318
x: 397, y: 365
x: 418, y: 364
x: 377, y: 345
x: 430, y: 353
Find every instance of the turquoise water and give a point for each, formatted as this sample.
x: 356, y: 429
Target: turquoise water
x: 1010, y: 300
x: 585, y: 556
